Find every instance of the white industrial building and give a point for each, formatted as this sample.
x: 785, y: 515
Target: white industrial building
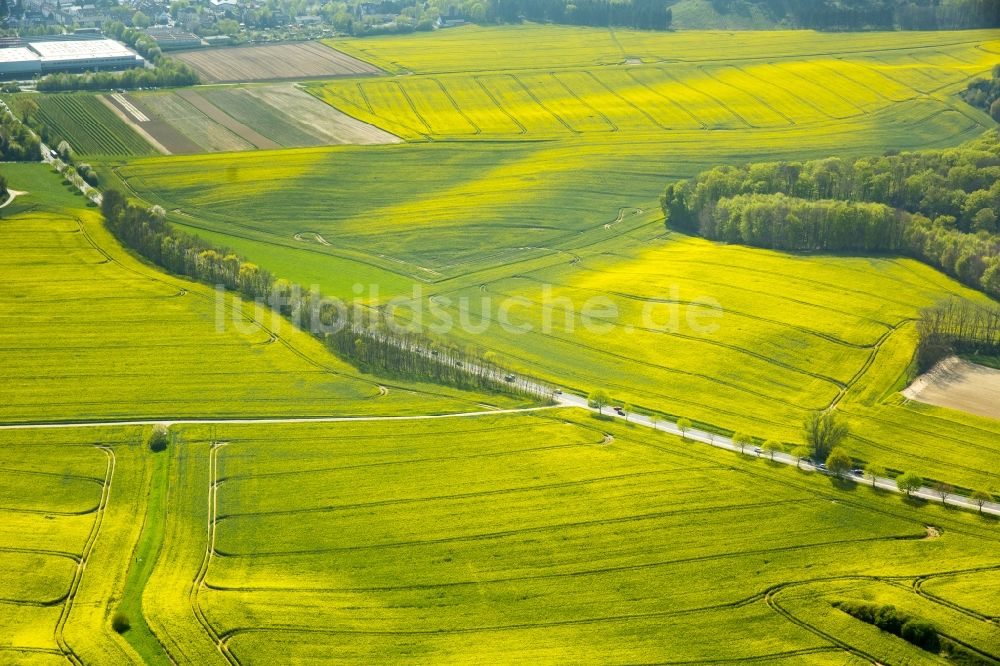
x: 87, y: 55
x: 19, y: 63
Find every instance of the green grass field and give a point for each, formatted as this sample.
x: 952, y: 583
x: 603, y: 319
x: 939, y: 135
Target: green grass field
x: 536, y: 538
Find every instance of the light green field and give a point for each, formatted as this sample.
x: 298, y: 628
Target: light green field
x: 89, y: 332
x: 518, y: 538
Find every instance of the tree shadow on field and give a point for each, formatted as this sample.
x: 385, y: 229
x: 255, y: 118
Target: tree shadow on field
x: 844, y: 484
x: 914, y: 502
x: 602, y: 417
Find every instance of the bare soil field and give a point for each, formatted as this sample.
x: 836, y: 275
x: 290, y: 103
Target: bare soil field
x: 305, y: 60
x: 185, y: 122
x: 960, y: 385
x: 182, y: 127
x: 320, y: 119
x: 218, y: 115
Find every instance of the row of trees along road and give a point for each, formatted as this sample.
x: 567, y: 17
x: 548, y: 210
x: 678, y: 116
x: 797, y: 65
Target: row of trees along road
x: 822, y: 434
x: 940, y: 207
x: 364, y: 336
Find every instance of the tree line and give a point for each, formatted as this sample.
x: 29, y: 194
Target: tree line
x: 370, y: 338
x: 639, y: 14
x: 985, y: 94
x: 871, y: 14
x: 17, y: 142
x: 411, y: 15
x: 957, y: 327
x: 940, y: 207
x: 168, y: 73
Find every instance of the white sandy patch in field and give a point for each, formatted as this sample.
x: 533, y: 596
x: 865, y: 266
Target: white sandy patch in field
x: 960, y: 385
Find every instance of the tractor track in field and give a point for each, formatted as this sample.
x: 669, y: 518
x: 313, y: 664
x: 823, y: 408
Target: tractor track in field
x: 668, y: 301
x: 199, y: 581
x: 634, y: 75
x: 710, y: 73
x: 895, y: 581
x: 555, y: 76
x: 918, y: 587
x: 841, y: 386
x: 866, y: 366
x: 413, y: 107
x: 401, y: 501
x: 533, y: 97
x: 81, y: 567
x: 489, y: 93
x: 458, y: 109
x: 625, y: 101
x: 771, y: 600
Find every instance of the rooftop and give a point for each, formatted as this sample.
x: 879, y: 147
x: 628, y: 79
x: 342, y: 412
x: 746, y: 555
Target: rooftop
x: 19, y: 54
x: 82, y: 50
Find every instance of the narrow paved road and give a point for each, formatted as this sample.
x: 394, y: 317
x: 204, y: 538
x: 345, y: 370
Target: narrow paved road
x: 263, y: 420
x: 721, y: 442
x: 563, y: 400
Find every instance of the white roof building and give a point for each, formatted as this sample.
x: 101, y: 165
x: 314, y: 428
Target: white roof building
x: 85, y: 54
x: 19, y: 62
x: 66, y: 56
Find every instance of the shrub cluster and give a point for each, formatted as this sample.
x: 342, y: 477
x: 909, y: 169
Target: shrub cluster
x: 985, y: 94
x: 17, y: 142
x: 941, y: 207
x: 914, y: 630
